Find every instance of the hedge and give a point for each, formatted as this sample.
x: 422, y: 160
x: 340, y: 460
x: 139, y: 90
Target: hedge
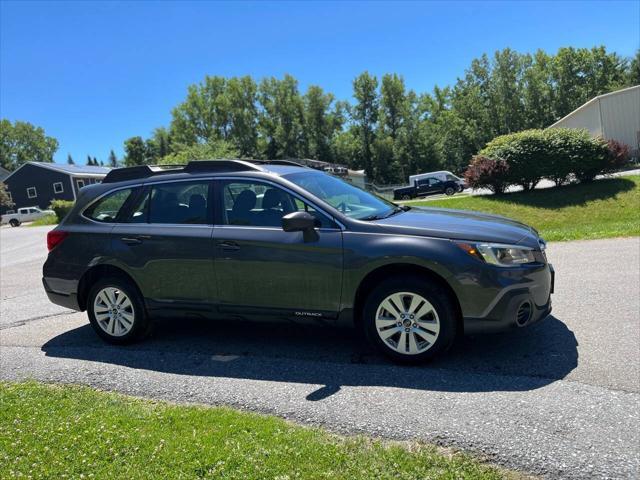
x: 556, y: 154
x: 61, y: 207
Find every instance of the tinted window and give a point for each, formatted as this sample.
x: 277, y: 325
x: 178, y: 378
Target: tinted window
x: 262, y: 205
x: 178, y: 203
x: 107, y: 208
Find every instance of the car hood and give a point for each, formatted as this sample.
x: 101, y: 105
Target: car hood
x: 461, y: 225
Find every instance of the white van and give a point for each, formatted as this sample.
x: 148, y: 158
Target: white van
x: 442, y: 175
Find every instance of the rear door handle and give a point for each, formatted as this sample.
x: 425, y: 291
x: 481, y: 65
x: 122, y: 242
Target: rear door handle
x: 137, y: 240
x: 229, y: 246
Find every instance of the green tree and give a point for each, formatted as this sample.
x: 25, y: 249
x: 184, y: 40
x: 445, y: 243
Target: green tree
x: 202, y: 151
x: 633, y: 72
x: 135, y: 151
x: 282, y: 119
x: 204, y: 115
x: 22, y: 142
x: 89, y: 160
x: 113, y: 160
x: 5, y: 199
x: 70, y: 159
x: 323, y: 118
x: 242, y: 97
x: 365, y: 117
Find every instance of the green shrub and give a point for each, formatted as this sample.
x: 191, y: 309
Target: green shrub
x: 61, y: 207
x: 556, y: 154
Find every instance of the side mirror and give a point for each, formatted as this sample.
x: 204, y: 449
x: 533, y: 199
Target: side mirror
x: 301, y: 222
x: 298, y: 222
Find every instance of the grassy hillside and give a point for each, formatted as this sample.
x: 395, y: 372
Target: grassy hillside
x: 602, y: 209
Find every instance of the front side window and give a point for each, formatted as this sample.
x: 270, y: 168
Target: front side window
x: 345, y: 197
x: 31, y: 192
x: 174, y: 203
x: 107, y: 208
x: 257, y: 204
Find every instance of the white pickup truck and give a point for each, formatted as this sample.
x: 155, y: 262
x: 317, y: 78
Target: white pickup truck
x: 26, y: 214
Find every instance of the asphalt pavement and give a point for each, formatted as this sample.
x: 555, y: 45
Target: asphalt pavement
x: 558, y: 399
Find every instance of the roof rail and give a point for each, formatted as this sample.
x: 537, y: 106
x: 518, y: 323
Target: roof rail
x: 145, y: 171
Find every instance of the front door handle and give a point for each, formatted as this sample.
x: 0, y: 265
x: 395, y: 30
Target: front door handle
x: 229, y: 246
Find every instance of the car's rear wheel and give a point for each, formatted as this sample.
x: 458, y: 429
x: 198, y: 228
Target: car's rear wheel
x: 449, y: 191
x: 14, y: 222
x: 116, y: 310
x: 409, y: 320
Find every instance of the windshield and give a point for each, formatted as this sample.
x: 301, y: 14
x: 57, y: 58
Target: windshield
x: 348, y: 199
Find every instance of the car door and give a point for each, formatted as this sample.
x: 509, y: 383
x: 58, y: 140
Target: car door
x: 261, y: 268
x: 165, y: 244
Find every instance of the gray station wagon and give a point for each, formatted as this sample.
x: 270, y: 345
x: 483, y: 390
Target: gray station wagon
x: 231, y: 239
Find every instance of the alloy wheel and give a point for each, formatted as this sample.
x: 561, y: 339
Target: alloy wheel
x: 114, y: 311
x: 407, y: 323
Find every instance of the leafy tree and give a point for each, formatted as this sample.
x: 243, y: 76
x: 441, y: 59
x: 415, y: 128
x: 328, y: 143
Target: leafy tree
x: 89, y: 160
x: 202, y: 151
x: 70, y: 159
x: 633, y: 72
x: 203, y: 116
x: 135, y: 151
x: 365, y: 117
x: 22, y: 142
x: 321, y: 122
x: 5, y: 199
x: 242, y: 97
x: 113, y: 160
x: 282, y: 118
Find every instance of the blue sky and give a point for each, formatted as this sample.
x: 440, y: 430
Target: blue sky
x: 95, y: 73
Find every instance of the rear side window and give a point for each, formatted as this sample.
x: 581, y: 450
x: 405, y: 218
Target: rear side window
x: 173, y: 203
x: 107, y: 208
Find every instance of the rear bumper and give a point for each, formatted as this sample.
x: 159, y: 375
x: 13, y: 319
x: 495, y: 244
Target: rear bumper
x: 64, y: 300
x: 516, y: 309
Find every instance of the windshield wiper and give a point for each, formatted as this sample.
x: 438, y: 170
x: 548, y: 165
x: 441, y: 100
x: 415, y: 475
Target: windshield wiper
x: 387, y: 215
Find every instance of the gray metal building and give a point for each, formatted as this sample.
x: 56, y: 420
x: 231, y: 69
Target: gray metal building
x: 614, y: 115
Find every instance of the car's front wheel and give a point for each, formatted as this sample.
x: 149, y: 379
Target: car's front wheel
x: 116, y: 311
x: 409, y: 320
x: 449, y: 191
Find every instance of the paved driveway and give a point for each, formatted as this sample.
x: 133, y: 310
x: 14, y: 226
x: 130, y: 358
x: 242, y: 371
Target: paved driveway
x: 560, y: 399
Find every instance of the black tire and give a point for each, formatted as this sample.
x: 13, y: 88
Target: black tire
x: 406, y: 197
x: 141, y: 323
x: 439, y: 299
x: 14, y: 222
x: 449, y: 191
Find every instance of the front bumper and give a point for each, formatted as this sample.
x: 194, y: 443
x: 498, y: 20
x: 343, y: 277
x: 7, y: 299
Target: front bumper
x: 515, y: 308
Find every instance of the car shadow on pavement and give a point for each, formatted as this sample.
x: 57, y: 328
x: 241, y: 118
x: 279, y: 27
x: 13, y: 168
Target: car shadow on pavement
x: 524, y: 359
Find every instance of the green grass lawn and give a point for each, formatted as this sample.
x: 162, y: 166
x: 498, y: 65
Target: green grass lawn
x: 46, y: 220
x: 601, y: 209
x: 58, y: 432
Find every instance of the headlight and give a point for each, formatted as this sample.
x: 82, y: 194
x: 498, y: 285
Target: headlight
x: 499, y: 254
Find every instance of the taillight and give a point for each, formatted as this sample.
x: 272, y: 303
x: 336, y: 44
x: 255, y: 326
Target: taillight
x: 55, y: 238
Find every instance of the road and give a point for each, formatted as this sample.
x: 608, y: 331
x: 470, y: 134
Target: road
x: 559, y: 399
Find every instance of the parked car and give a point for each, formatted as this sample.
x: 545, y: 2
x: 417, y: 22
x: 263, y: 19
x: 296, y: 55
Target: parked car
x: 443, y: 175
x: 232, y: 240
x: 27, y: 214
x: 424, y: 187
